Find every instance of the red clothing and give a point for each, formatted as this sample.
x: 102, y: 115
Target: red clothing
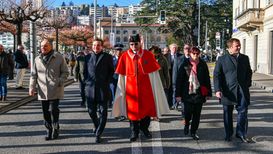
x: 139, y: 96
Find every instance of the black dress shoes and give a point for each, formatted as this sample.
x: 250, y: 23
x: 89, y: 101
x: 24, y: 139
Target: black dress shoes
x: 186, y: 129
x: 195, y: 136
x: 228, y: 139
x: 98, y: 139
x: 147, y: 133
x: 48, y: 135
x: 134, y: 137
x: 243, y: 139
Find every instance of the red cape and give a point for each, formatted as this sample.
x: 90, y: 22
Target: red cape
x: 139, y: 96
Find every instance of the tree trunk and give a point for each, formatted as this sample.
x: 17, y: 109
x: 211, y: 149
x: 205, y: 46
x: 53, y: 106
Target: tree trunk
x: 57, y: 40
x: 19, y: 27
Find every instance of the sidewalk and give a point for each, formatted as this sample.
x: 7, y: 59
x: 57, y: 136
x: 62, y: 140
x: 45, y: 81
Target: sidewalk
x: 18, y: 97
x: 263, y: 81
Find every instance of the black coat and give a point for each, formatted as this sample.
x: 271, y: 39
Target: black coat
x: 98, y: 75
x: 229, y: 75
x: 182, y: 80
x: 20, y: 60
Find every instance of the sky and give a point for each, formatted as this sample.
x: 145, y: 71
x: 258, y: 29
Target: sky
x: 57, y: 3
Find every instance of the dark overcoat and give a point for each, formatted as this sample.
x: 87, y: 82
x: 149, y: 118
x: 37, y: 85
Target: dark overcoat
x: 98, y: 75
x: 230, y: 74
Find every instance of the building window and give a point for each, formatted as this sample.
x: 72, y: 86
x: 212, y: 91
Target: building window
x: 134, y: 32
x: 106, y: 31
x: 125, y: 39
x: 118, y: 32
x: 118, y: 39
x: 125, y: 32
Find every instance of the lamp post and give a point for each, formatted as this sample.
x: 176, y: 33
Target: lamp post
x: 95, y: 18
x: 198, y: 40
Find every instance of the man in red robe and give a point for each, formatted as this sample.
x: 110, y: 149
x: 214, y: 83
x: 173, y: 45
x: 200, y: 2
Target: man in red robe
x: 136, y: 68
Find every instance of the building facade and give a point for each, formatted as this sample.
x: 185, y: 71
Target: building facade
x: 122, y: 31
x: 253, y: 25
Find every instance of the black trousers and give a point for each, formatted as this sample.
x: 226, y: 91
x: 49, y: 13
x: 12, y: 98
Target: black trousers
x: 54, y: 113
x: 99, y: 122
x: 192, y: 113
x: 142, y: 125
x: 82, y: 90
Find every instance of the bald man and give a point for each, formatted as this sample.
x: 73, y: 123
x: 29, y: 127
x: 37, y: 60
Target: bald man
x: 49, y: 73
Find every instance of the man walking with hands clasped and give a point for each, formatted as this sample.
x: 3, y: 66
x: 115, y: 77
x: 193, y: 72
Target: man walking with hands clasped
x: 232, y: 79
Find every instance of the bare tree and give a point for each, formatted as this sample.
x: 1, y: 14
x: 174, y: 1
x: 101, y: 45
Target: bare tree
x: 17, y: 14
x: 55, y: 23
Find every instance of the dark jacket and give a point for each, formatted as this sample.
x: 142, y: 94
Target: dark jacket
x: 4, y: 63
x: 11, y: 66
x: 164, y: 71
x: 230, y: 75
x: 182, y: 81
x: 98, y: 75
x: 20, y: 60
x: 173, y: 66
x: 79, y: 69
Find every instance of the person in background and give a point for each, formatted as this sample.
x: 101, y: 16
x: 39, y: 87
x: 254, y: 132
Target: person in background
x: 165, y: 51
x: 49, y: 85
x: 141, y: 96
x: 72, y: 62
x: 21, y: 64
x: 5, y: 62
x: 172, y: 58
x: 79, y: 74
x: 193, y: 87
x: 164, y: 69
x: 11, y: 65
x: 232, y: 79
x: 98, y: 73
x: 177, y: 64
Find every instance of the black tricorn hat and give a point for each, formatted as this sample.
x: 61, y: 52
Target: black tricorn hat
x: 134, y: 38
x: 118, y: 46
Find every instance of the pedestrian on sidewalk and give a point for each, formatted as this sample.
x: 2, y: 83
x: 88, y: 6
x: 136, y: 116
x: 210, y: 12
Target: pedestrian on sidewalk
x: 11, y: 65
x: 79, y: 74
x: 21, y: 64
x: 232, y: 79
x: 140, y: 94
x: 5, y: 62
x: 173, y: 59
x: 47, y: 79
x: 193, y: 87
x: 98, y: 72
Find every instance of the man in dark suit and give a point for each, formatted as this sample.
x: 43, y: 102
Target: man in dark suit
x: 172, y: 58
x: 232, y: 79
x: 98, y: 72
x: 177, y: 63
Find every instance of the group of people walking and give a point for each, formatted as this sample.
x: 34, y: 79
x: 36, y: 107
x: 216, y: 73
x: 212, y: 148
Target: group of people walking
x: 148, y: 85
x: 10, y: 61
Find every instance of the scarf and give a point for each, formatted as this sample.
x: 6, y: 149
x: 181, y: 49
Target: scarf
x: 193, y: 81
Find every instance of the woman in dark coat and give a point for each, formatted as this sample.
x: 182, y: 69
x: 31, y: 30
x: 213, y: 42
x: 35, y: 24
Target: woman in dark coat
x: 193, y: 87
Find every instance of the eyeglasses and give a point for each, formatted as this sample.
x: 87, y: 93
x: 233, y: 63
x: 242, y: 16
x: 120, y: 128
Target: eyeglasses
x: 131, y: 44
x: 187, y: 48
x: 195, y: 53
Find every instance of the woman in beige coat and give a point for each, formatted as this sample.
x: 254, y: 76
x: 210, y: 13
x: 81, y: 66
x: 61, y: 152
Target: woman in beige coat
x: 47, y: 79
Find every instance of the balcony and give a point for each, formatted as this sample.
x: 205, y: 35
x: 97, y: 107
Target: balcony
x: 250, y: 20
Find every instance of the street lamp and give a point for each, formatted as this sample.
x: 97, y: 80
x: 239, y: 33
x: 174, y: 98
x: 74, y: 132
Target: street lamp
x: 95, y: 18
x: 198, y: 41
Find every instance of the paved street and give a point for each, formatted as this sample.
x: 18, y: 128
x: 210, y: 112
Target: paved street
x: 22, y: 130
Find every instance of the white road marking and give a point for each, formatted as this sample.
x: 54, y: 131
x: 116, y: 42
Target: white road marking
x: 156, y: 140
x: 136, y: 147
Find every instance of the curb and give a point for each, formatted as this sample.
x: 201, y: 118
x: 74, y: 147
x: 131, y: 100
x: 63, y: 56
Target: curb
x: 257, y: 84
